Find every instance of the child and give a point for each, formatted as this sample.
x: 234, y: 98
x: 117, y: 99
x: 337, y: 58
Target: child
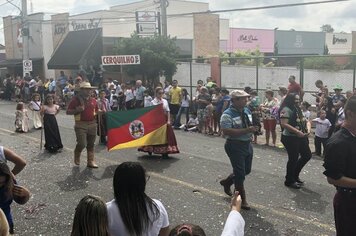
x: 9, y: 192
x: 147, y: 99
x: 103, y: 105
x: 35, y: 107
x: 254, y: 106
x: 322, y: 126
x: 192, y: 124
x: 114, y: 103
x: 305, y: 110
x: 209, y: 116
x: 21, y: 121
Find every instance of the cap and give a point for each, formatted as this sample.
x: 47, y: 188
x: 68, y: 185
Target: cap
x: 239, y: 94
x: 338, y: 87
x: 86, y: 85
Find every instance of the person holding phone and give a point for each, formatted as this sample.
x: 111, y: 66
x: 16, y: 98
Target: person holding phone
x: 296, y: 129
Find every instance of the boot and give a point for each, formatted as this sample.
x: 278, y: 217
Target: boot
x: 226, y: 183
x: 77, y: 158
x: 91, y: 162
x: 244, y: 204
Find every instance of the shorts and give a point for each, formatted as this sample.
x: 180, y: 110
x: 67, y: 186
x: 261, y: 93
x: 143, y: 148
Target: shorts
x: 270, y: 125
x: 202, y: 114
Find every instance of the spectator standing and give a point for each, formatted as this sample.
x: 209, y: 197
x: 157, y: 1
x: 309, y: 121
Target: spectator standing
x: 103, y: 106
x: 139, y: 97
x: 147, y: 99
x: 129, y: 97
x: 269, y: 114
x: 203, y: 100
x: 340, y: 170
x: 295, y: 88
x: 61, y: 82
x: 167, y: 87
x: 337, y: 96
x: 184, y: 108
x: 175, y: 94
x: 322, y: 126
x: 236, y: 124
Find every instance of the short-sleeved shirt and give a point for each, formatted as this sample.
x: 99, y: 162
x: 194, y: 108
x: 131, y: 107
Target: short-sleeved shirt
x: 272, y: 107
x: 340, y: 155
x: 162, y: 101
x: 299, y: 123
x: 294, y: 88
x: 233, y: 118
x: 117, y: 226
x: 175, y: 94
x: 220, y: 104
x: 322, y: 127
x: 205, y: 97
x: 90, y: 109
x: 139, y: 93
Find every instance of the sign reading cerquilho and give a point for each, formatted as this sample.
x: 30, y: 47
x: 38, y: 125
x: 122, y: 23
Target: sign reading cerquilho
x: 120, y: 60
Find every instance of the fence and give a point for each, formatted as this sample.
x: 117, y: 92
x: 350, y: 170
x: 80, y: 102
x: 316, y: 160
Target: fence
x: 263, y: 73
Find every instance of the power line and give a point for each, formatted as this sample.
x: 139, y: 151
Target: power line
x: 6, y: 2
x: 259, y: 8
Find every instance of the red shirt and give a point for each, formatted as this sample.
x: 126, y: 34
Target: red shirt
x: 294, y: 88
x: 90, y: 109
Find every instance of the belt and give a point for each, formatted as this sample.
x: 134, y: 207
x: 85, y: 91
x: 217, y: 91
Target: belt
x: 348, y: 191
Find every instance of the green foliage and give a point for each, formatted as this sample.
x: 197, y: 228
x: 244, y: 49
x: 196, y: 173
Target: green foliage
x: 327, y: 28
x: 157, y: 53
x: 320, y: 63
x: 240, y: 57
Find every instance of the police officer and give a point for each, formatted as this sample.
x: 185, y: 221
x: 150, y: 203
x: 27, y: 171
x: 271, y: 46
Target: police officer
x: 236, y: 125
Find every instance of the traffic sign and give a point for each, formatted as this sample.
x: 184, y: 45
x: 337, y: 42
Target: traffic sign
x: 27, y: 65
x: 120, y: 60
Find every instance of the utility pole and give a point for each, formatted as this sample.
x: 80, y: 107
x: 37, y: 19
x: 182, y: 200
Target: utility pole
x: 24, y: 31
x: 164, y: 4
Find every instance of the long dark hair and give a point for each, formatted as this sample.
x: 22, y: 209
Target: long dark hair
x: 297, y: 114
x: 91, y: 217
x: 133, y: 203
x: 9, y: 181
x: 185, y: 93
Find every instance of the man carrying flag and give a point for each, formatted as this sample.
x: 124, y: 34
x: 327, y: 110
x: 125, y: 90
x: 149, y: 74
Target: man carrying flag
x: 148, y: 128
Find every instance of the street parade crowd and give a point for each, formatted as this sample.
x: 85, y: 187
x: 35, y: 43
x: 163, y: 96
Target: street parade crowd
x: 240, y: 116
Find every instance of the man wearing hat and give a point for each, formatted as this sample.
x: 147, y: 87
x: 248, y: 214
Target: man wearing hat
x: 337, y: 96
x: 84, y: 108
x: 236, y: 125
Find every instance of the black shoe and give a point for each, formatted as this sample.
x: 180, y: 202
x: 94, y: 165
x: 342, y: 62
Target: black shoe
x: 227, y: 187
x: 294, y: 185
x: 299, y: 181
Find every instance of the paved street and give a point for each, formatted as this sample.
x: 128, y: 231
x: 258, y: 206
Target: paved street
x: 187, y: 184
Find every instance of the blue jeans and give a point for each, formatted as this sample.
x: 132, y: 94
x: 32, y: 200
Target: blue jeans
x: 240, y: 154
x: 180, y: 112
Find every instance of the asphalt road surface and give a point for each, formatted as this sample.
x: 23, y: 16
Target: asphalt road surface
x: 186, y: 183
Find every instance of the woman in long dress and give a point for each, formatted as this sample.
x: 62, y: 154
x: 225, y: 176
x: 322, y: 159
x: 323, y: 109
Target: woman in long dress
x: 171, y: 146
x: 53, y: 142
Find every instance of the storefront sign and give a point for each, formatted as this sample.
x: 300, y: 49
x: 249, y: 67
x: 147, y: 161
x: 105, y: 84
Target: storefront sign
x: 146, y: 16
x: 120, y: 60
x: 60, y: 28
x: 76, y: 25
x: 339, y: 43
x: 337, y: 40
x: 250, y: 39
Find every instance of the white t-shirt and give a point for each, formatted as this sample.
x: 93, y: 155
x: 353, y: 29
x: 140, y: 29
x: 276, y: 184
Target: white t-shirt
x: 129, y: 95
x: 164, y: 101
x: 147, y: 101
x: 185, y: 102
x: 321, y: 127
x: 117, y: 227
x: 235, y: 225
x: 306, y: 114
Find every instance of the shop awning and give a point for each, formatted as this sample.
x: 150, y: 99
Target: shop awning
x: 79, y: 48
x: 17, y: 62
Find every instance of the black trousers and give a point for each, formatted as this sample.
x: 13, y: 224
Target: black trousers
x: 296, y: 147
x: 317, y: 143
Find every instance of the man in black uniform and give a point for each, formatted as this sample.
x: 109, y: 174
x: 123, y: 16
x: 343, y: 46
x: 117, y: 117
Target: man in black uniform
x: 340, y: 169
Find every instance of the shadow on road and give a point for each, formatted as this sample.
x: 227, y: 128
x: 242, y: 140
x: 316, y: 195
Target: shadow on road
x: 309, y: 200
x: 256, y: 225
x: 77, y: 180
x: 157, y: 163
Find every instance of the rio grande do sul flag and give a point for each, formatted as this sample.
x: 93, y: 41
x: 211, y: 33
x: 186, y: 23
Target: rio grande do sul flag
x: 135, y: 128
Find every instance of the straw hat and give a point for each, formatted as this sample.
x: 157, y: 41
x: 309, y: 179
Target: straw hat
x: 239, y: 94
x: 86, y: 85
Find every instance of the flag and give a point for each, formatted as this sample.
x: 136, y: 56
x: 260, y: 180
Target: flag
x: 135, y: 128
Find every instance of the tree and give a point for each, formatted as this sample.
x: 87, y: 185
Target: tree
x: 327, y: 28
x: 157, y: 53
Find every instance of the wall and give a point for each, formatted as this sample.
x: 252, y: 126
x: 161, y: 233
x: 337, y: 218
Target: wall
x: 250, y: 39
x: 47, y: 50
x: 299, y: 42
x: 206, y: 35
x: 338, y: 43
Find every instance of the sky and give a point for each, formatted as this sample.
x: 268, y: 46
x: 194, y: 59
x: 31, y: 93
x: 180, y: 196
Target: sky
x: 341, y: 15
